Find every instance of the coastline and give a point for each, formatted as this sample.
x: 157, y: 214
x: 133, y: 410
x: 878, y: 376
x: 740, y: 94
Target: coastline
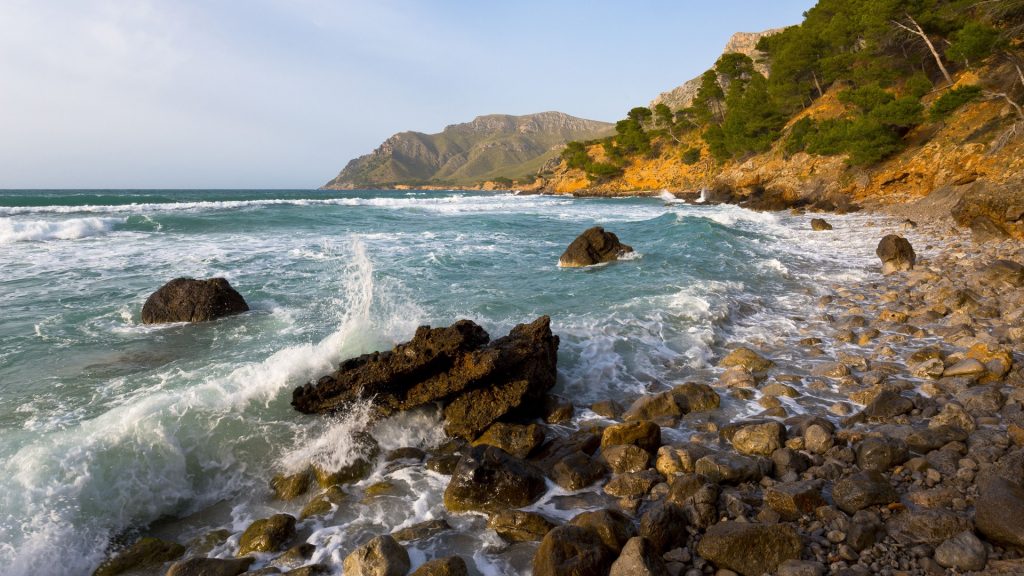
x: 867, y: 447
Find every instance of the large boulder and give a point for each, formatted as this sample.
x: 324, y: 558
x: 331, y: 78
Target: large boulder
x: 999, y: 509
x: 896, y: 254
x: 479, y: 380
x: 576, y: 550
x: 267, y: 535
x: 191, y: 300
x: 381, y: 556
x: 488, y: 479
x: 594, y: 246
x: 750, y: 548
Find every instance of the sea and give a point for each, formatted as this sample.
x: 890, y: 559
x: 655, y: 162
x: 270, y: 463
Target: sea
x: 111, y: 429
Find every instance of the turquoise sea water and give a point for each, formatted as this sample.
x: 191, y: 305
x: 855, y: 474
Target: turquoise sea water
x: 110, y: 429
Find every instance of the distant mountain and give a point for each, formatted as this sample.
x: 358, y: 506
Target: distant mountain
x: 493, y: 146
x: 742, y: 42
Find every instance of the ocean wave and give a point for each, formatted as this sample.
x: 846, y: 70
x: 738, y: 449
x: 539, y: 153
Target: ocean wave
x: 12, y: 230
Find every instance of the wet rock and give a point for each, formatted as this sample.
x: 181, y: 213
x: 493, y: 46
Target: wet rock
x: 290, y: 487
x: 750, y: 549
x: 612, y: 528
x: 488, y: 479
x: 606, y: 409
x: 1004, y: 273
x: 644, y: 434
x: 558, y: 410
x: 963, y: 552
x: 656, y: 407
x: 737, y: 377
x: 519, y: 526
x: 760, y: 438
x: 794, y: 499
x: 267, y: 534
x: 930, y: 527
x: 863, y: 489
x: 888, y: 404
x: 999, y: 509
x: 697, y: 497
x: 664, y: 525
x: 191, y: 300
x: 576, y: 471
x: 363, y: 451
x: 967, y: 367
x: 746, y: 358
x: 593, y: 246
x: 733, y: 468
x: 818, y: 439
x: 896, y: 254
x: 479, y: 380
x: 953, y: 414
x: 695, y: 397
x: 981, y: 400
x: 381, y: 556
x: 444, y: 464
x: 682, y: 459
x: 575, y: 550
x: 983, y: 229
x: 450, y: 566
x: 147, y: 553
x: 623, y: 458
x: 310, y: 570
x: 864, y: 530
x: 422, y: 530
x: 632, y: 484
x: 210, y: 567
x: 819, y: 224
x: 638, y: 558
x: 516, y: 439
x: 879, y: 453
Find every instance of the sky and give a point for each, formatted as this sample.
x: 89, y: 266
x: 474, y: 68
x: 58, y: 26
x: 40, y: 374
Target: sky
x: 283, y: 93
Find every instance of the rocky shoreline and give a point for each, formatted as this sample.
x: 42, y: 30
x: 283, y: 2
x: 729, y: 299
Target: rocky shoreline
x: 888, y: 439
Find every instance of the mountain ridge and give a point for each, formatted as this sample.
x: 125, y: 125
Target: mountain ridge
x: 490, y: 146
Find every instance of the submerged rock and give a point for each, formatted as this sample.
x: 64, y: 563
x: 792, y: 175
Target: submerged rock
x: 896, y: 254
x: 147, y: 553
x: 819, y: 224
x: 479, y: 380
x: 594, y: 246
x: 191, y: 300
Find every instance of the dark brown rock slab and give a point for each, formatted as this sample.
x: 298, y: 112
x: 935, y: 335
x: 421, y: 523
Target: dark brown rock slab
x: 146, y: 553
x: 999, y: 510
x: 575, y: 550
x: 593, y: 246
x: 450, y: 566
x: 639, y: 558
x: 858, y: 491
x: 520, y: 526
x: 210, y: 567
x: 191, y: 300
x: 750, y: 548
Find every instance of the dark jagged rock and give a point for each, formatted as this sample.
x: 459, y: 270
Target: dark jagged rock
x: 896, y: 254
x: 191, y: 300
x: 422, y: 530
x: 613, y: 528
x: 750, y: 549
x: 819, y: 225
x: 594, y: 246
x: 480, y: 380
x: 861, y: 490
x: 488, y: 479
x: 146, y: 553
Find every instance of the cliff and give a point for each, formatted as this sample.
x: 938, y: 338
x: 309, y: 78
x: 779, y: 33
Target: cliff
x: 742, y: 42
x: 493, y: 146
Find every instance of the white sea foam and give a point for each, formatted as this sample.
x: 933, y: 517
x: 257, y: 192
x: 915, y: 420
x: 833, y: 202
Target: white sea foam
x: 12, y: 230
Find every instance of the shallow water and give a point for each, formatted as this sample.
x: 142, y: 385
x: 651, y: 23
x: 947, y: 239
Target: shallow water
x: 109, y: 429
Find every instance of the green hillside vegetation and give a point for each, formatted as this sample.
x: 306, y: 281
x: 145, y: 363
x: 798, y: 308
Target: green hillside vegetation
x: 499, y: 148
x: 881, y: 56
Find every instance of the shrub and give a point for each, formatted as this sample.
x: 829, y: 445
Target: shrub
x: 691, y: 156
x: 952, y: 100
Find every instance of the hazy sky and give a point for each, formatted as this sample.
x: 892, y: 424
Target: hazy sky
x: 282, y: 93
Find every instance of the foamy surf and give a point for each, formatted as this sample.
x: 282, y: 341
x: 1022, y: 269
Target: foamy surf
x: 14, y: 230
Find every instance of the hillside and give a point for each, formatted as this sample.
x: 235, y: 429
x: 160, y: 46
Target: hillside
x: 489, y: 147
x: 859, y: 108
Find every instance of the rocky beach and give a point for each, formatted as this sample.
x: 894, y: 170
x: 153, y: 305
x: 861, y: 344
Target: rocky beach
x: 882, y: 433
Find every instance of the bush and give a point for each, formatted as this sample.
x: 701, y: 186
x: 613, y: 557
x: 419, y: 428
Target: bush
x: 918, y: 85
x: 691, y: 156
x: 952, y: 100
x: 974, y: 42
x: 796, y: 141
